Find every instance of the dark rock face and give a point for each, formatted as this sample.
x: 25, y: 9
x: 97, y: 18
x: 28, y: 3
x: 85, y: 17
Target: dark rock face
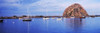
x: 75, y: 10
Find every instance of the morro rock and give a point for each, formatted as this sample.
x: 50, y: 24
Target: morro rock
x: 75, y: 10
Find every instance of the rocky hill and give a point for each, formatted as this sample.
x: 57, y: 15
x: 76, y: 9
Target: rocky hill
x: 75, y: 10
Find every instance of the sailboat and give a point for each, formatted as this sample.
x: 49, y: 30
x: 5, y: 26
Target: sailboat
x: 59, y: 18
x: 52, y: 18
x: 28, y: 18
x: 46, y: 18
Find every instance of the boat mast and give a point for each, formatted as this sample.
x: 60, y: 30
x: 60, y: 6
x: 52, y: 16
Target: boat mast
x: 28, y: 12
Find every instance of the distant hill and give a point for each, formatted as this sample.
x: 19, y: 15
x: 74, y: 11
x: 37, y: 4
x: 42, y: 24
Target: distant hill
x: 75, y: 10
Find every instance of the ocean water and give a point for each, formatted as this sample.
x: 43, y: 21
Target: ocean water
x: 51, y: 25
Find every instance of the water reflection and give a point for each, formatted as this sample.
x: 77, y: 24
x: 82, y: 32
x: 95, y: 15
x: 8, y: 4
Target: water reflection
x: 28, y: 27
x: 75, y: 24
x: 64, y: 25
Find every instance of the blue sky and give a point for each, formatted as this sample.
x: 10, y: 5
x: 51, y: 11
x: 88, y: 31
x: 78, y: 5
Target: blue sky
x: 45, y: 7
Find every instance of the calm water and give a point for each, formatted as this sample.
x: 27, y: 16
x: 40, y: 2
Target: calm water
x: 52, y: 25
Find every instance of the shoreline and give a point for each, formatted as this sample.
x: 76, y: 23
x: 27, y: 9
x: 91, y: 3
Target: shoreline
x: 20, y: 17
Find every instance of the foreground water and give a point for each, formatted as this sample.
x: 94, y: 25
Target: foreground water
x: 52, y: 25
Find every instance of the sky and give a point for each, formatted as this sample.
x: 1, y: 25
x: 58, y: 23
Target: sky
x: 45, y: 7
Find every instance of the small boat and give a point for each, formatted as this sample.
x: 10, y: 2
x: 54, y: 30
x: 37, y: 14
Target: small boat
x: 46, y: 18
x: 20, y: 18
x: 27, y: 19
x: 59, y: 18
x: 53, y: 18
x: 1, y: 20
x: 83, y: 17
x: 72, y: 17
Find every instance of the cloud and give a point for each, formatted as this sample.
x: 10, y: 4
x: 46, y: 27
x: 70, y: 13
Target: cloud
x: 49, y: 5
x: 58, y: 6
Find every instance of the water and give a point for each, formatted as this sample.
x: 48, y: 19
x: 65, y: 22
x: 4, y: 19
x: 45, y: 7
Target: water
x: 52, y: 25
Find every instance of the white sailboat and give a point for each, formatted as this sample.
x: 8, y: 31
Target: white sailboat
x: 28, y: 17
x: 52, y: 18
x: 59, y: 19
x: 46, y: 18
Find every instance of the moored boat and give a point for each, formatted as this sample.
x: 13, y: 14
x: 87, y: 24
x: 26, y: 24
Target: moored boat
x: 27, y: 19
x: 1, y: 20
